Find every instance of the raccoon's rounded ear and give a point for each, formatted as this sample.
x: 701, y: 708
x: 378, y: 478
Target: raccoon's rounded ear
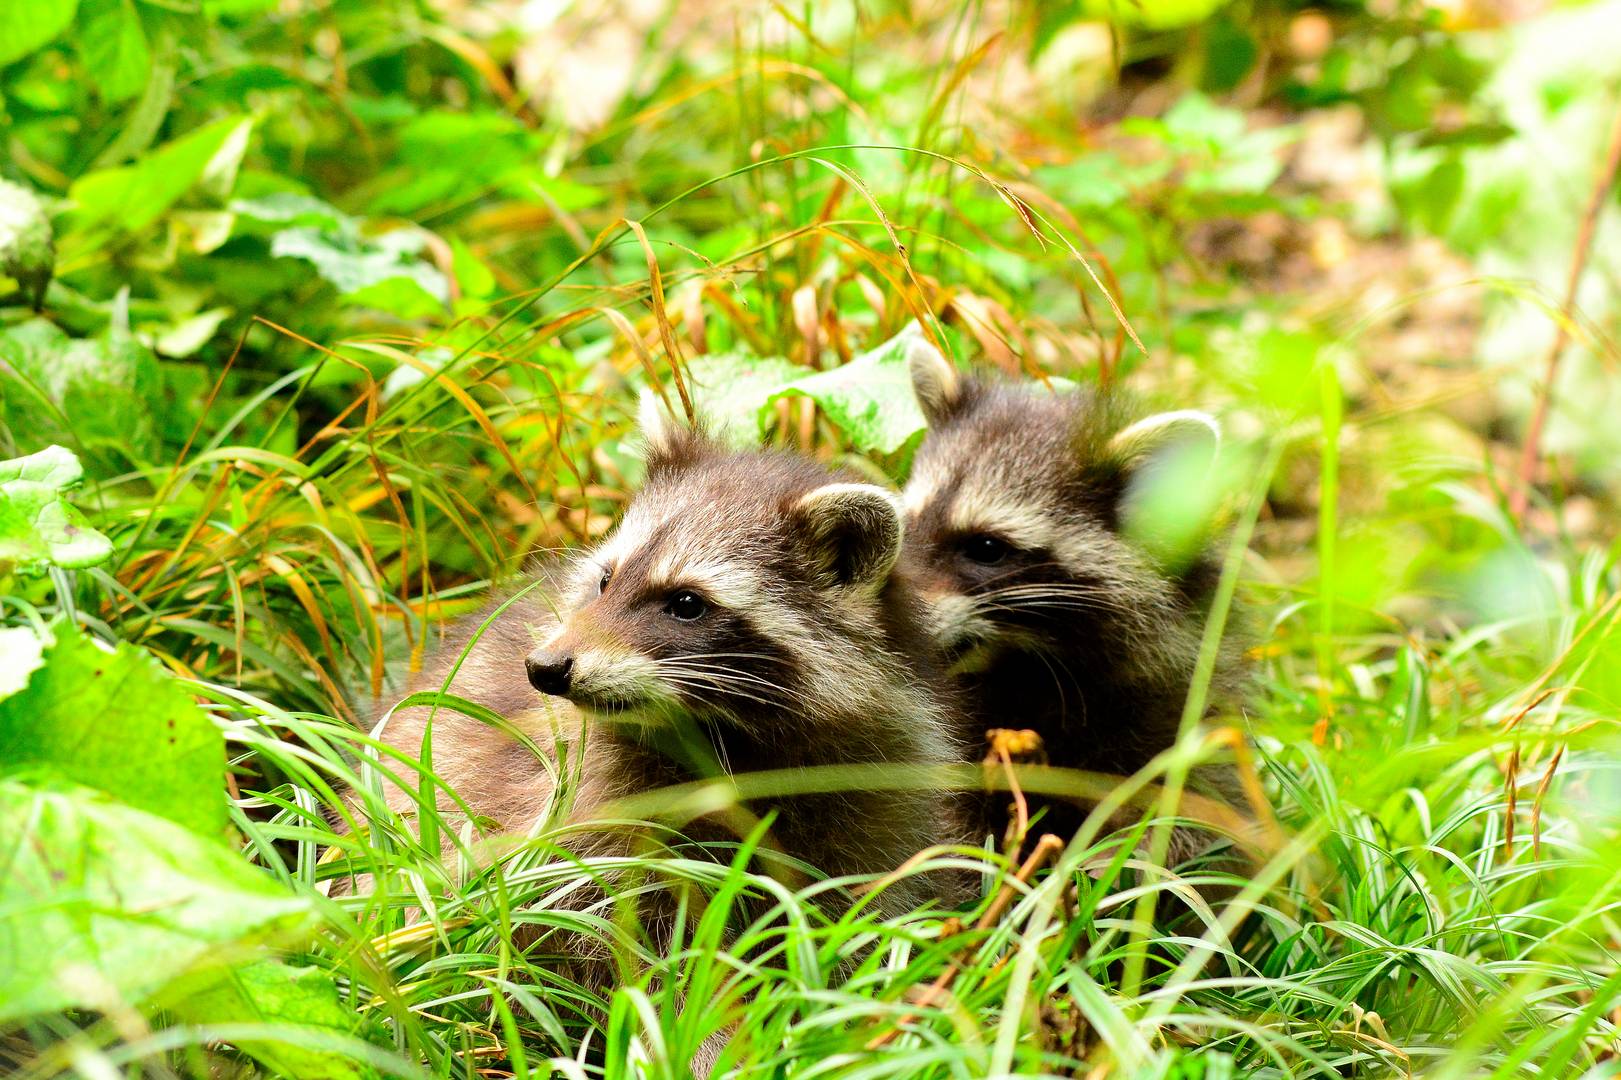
x: 935, y: 382
x: 1138, y: 442
x: 854, y: 532
x: 669, y: 442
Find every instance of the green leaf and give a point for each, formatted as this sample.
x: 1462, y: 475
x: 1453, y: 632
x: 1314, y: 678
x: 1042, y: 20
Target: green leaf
x: 271, y: 992
x: 54, y: 465
x: 119, y: 722
x: 732, y: 392
x: 107, y: 390
x: 870, y: 398
x: 25, y: 25
x: 113, y: 47
x: 38, y: 528
x: 355, y: 265
x: 290, y: 208
x: 133, y: 196
x: 26, y: 250
x: 103, y: 904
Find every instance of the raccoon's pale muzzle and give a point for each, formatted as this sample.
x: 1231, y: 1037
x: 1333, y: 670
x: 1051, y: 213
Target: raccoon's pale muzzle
x: 550, y: 672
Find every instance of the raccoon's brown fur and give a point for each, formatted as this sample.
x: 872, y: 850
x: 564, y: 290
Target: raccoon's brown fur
x: 1051, y: 619
x: 747, y: 614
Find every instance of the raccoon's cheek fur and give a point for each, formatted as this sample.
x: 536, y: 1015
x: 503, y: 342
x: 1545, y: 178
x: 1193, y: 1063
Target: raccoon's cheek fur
x: 956, y: 623
x: 614, y: 680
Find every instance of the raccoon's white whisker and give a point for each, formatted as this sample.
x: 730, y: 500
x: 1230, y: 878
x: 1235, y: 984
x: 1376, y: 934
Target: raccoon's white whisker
x: 685, y: 657
x: 725, y: 680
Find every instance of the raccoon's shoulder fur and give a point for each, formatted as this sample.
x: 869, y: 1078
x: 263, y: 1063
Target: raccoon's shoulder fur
x: 1052, y: 617
x: 751, y: 611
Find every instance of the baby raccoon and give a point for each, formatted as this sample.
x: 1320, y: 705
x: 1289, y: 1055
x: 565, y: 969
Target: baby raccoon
x: 747, y: 614
x: 1050, y: 618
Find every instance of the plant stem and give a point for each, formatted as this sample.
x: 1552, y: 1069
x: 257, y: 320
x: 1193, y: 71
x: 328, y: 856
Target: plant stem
x: 1530, y: 455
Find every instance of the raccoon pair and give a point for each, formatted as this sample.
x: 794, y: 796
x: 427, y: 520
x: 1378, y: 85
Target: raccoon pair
x: 754, y: 612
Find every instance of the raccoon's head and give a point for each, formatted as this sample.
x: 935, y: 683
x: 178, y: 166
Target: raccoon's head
x: 1013, y: 513
x: 738, y: 587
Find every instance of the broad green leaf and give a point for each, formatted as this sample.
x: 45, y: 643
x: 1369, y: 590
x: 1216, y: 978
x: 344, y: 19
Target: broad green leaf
x: 271, y: 992
x: 732, y: 392
x: 26, y: 251
x: 354, y: 265
x: 870, y: 398
x: 25, y: 25
x: 119, y: 722
x: 290, y: 208
x: 131, y: 197
x: 107, y: 390
x: 237, y: 7
x: 112, y: 45
x: 55, y: 466
x: 102, y: 903
x: 39, y: 528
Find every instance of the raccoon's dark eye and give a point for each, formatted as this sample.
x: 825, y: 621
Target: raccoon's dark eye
x: 685, y: 605
x: 607, y: 576
x: 986, y: 550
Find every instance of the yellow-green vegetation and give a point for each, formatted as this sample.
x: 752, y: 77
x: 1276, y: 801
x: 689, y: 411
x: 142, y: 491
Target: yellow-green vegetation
x: 317, y: 317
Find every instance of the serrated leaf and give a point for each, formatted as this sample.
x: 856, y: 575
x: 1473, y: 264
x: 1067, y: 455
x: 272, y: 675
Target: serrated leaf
x: 112, y: 45
x: 25, y: 25
x: 103, y: 904
x: 117, y: 721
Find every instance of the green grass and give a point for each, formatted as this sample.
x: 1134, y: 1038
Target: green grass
x: 298, y: 502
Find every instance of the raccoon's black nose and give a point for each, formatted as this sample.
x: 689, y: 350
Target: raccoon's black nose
x: 548, y: 671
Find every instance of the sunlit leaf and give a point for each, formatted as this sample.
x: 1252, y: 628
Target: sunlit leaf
x: 102, y: 904
x: 117, y: 721
x: 273, y: 992
x: 25, y: 25
x: 38, y: 527
x: 133, y: 196
x: 870, y: 398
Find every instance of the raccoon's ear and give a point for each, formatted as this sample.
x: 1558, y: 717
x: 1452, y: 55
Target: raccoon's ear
x: 1136, y: 443
x: 854, y: 532
x: 669, y: 442
x: 935, y: 382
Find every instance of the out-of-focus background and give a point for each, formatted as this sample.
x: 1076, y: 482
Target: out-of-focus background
x: 339, y: 311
